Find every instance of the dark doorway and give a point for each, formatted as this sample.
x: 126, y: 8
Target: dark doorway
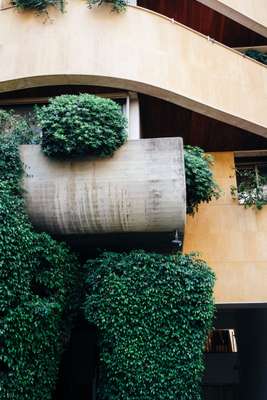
x: 77, y: 373
x: 237, y: 372
x: 223, y: 392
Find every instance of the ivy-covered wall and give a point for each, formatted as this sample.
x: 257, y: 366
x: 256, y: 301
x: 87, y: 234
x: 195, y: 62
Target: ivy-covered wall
x: 39, y: 279
x: 153, y: 311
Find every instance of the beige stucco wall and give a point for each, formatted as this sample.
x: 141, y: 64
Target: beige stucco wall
x: 250, y: 13
x: 138, y: 50
x: 233, y: 240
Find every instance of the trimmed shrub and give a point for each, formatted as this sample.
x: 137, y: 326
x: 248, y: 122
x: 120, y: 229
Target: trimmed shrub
x: 79, y: 125
x: 117, y: 5
x: 39, y: 5
x: 39, y: 281
x: 200, y: 183
x: 153, y: 313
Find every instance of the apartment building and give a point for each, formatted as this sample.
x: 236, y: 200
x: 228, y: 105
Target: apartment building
x: 179, y: 69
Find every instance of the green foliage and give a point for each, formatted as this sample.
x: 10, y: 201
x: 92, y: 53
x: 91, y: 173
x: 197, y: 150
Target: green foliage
x: 200, y: 183
x: 257, y: 55
x: 20, y: 127
x: 250, y: 191
x: 39, y: 279
x: 79, y: 125
x: 117, y: 5
x: 153, y: 313
x: 38, y: 5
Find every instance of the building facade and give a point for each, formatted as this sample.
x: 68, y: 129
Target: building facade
x: 179, y: 69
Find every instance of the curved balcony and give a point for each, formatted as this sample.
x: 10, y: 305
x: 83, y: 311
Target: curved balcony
x: 140, y: 51
x: 140, y: 189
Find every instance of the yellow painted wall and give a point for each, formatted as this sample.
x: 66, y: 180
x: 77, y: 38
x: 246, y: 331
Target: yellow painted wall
x: 233, y: 240
x: 137, y: 50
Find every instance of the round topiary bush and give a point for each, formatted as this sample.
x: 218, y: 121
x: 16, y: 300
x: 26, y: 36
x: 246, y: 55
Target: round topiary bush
x: 80, y: 125
x: 39, y: 5
x: 200, y: 183
x: 153, y: 313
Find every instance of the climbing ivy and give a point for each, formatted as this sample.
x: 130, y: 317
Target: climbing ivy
x: 200, y: 183
x: 78, y: 125
x: 39, y: 280
x: 153, y: 313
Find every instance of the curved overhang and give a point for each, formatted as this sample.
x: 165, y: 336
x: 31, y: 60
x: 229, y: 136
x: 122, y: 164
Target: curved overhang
x: 138, y: 50
x: 249, y: 13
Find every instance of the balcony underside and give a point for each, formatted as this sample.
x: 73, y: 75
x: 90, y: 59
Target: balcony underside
x: 138, y: 50
x: 249, y: 13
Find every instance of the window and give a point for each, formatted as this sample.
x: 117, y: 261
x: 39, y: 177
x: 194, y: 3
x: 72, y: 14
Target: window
x: 256, y: 167
x: 221, y: 341
x: 251, y: 176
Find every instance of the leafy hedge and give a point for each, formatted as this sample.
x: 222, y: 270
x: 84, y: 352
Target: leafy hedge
x: 153, y: 313
x: 39, y: 279
x: 200, y: 183
x: 78, y: 125
x: 117, y: 5
x: 39, y: 5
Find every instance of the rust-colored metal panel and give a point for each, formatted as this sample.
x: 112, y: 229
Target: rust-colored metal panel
x: 163, y: 119
x: 205, y: 20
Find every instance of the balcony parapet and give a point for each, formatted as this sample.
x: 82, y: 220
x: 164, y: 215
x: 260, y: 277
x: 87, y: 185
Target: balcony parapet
x: 139, y: 51
x: 141, y: 188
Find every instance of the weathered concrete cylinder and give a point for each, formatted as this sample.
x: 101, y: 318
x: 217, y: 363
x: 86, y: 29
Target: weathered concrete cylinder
x: 140, y: 189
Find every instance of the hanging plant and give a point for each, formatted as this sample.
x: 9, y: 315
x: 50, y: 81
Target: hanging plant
x: 117, y: 5
x: 39, y: 5
x: 200, y: 183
